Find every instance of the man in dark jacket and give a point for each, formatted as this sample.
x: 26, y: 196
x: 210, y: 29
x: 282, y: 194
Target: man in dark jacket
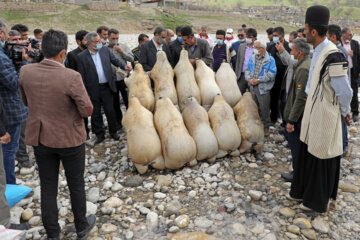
x: 176, y: 46
x: 296, y: 99
x: 353, y: 49
x: 143, y: 38
x: 278, y: 36
x: 71, y: 58
x: 149, y: 49
x: 95, y: 67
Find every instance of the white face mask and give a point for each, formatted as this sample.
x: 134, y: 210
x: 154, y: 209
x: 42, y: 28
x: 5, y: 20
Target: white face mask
x: 256, y: 52
x: 173, y: 38
x: 292, y: 57
x: 228, y: 35
x: 249, y: 40
x: 290, y: 45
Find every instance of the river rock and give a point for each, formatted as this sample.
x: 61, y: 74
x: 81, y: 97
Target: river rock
x: 238, y: 228
x: 152, y: 220
x: 133, y: 181
x: 91, y: 208
x: 258, y: 229
x: 108, y: 228
x: 293, y: 229
x: 269, y: 156
x: 193, y: 236
x: 172, y: 207
x: 287, y: 212
x: 309, y: 233
x: 256, y: 195
x: 182, y: 221
x: 348, y: 187
x: 27, y: 214
x: 26, y: 171
x: 15, y: 214
x: 320, y: 225
x: 144, y: 210
x: 35, y: 221
x: 203, y: 222
x: 159, y: 195
x: 113, y: 202
x: 164, y: 180
x: 116, y: 187
x: 94, y: 194
x: 302, y: 223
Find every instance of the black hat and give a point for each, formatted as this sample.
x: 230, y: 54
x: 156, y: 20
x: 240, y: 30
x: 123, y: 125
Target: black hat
x: 317, y: 15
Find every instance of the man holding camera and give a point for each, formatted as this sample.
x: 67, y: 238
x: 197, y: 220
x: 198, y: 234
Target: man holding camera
x: 14, y: 108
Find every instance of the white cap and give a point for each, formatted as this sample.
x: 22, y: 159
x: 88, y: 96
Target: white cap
x: 229, y: 30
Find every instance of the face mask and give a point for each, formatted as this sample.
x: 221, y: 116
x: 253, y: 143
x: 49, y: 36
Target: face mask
x: 347, y: 40
x: 241, y: 40
x: 98, y: 46
x: 292, y: 57
x: 2, y: 43
x: 162, y: 41
x: 290, y: 45
x: 249, y: 41
x: 256, y: 52
x: 112, y: 44
x: 275, y: 39
x: 203, y: 35
x: 219, y: 42
x: 228, y: 35
x: 180, y: 39
x: 173, y: 38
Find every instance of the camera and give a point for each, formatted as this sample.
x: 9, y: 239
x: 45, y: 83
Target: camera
x: 35, y: 43
x: 14, y: 52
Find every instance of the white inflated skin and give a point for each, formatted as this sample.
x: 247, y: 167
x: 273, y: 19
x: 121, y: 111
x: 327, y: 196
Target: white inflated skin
x: 205, y: 78
x: 139, y: 86
x: 223, y: 123
x: 178, y: 146
x: 226, y: 80
x: 144, y: 146
x: 163, y: 76
x: 197, y: 122
x: 250, y: 124
x: 186, y: 85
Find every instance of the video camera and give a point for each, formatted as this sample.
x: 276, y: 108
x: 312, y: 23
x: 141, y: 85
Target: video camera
x: 14, y: 51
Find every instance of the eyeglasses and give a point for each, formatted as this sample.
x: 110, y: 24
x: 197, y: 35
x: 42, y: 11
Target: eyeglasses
x: 241, y: 35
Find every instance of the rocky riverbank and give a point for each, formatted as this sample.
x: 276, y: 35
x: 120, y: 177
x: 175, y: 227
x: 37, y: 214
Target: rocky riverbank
x: 234, y: 198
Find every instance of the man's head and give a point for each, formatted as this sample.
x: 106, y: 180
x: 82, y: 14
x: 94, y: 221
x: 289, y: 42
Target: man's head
x: 269, y: 32
x: 178, y: 34
x: 220, y: 37
x: 334, y: 33
x: 300, y: 33
x: 93, y: 41
x: 14, y: 36
x: 292, y: 36
x: 113, y: 37
x: 143, y: 38
x: 259, y: 48
x: 278, y: 34
x: 80, y: 38
x: 243, y: 26
x: 22, y: 29
x: 300, y: 48
x: 54, y: 45
x: 251, y: 35
x: 160, y: 34
x: 38, y: 33
x: 103, y: 32
x: 346, y: 34
x: 188, y: 36
x: 316, y: 23
x: 242, y: 35
x: 169, y: 35
x: 204, y: 30
x: 4, y: 32
x: 229, y: 33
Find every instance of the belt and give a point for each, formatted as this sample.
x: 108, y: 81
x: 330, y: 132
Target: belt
x: 103, y: 84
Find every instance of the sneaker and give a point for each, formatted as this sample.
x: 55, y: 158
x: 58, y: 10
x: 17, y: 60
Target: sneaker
x: 304, y: 207
x: 83, y: 235
x: 22, y: 226
x: 293, y: 199
x: 287, y: 176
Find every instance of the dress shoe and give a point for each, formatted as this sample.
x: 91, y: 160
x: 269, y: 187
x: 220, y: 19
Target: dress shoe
x: 305, y: 208
x: 26, y: 164
x: 288, y: 176
x: 83, y: 235
x: 115, y: 136
x: 22, y: 226
x: 99, y: 140
x: 293, y: 199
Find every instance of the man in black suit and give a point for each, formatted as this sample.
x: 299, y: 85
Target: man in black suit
x: 176, y: 46
x: 353, y: 50
x: 94, y: 65
x: 71, y: 57
x: 149, y: 49
x: 278, y: 35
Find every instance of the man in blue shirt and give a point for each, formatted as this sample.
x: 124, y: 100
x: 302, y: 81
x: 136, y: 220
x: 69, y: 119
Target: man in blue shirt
x: 222, y: 52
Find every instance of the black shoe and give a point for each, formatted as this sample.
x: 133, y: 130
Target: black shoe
x: 115, y: 136
x: 355, y: 117
x: 54, y: 238
x: 85, y: 233
x: 99, y: 140
x: 288, y: 176
x: 26, y: 164
x: 22, y: 226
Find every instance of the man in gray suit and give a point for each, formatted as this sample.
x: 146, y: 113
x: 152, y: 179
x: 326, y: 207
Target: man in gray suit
x: 243, y: 56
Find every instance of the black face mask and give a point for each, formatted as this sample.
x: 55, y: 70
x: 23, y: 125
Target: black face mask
x: 83, y: 46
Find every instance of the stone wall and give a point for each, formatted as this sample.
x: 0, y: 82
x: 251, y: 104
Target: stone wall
x: 104, y: 5
x: 28, y: 6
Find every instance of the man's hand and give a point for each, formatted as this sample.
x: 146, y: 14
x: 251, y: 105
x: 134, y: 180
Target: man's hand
x: 118, y: 49
x: 5, y: 139
x: 350, y: 52
x: 128, y: 67
x: 253, y: 81
x: 192, y: 61
x: 280, y: 46
x: 347, y: 120
x: 290, y: 128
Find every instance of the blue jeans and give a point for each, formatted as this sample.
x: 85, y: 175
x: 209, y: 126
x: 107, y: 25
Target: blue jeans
x: 344, y: 134
x: 293, y: 139
x: 9, y: 152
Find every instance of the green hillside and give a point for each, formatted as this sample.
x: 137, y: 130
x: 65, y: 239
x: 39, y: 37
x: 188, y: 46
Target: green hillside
x: 339, y: 8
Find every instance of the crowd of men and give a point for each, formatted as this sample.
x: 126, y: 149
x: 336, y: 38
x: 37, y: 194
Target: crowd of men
x: 307, y: 82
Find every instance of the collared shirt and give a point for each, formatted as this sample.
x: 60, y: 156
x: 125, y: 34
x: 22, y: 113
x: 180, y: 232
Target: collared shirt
x: 340, y: 85
x: 200, y: 50
x: 347, y: 47
x: 258, y: 66
x: 248, y: 52
x: 50, y: 60
x: 15, y: 110
x: 98, y: 65
x: 157, y: 46
x: 219, y: 55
